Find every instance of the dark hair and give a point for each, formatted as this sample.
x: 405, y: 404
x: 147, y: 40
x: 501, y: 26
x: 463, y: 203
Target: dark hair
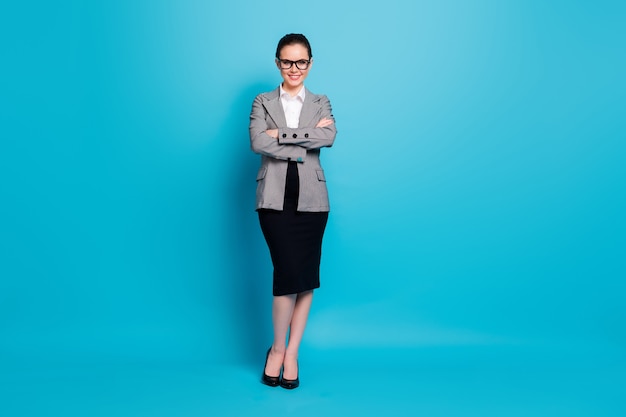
x: 292, y: 39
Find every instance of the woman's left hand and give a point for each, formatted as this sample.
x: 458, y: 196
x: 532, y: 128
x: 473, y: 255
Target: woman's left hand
x: 325, y: 122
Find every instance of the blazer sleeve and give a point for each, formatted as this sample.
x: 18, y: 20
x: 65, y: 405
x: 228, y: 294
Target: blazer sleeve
x: 311, y: 137
x: 264, y: 144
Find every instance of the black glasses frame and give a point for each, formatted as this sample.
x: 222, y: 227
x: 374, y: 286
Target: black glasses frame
x: 301, y: 64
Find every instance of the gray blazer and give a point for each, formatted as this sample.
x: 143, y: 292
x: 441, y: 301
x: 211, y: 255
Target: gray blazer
x: 301, y: 145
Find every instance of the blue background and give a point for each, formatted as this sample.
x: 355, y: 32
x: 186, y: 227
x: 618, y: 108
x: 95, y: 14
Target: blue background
x: 477, y: 193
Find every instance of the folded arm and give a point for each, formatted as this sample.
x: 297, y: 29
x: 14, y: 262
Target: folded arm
x: 262, y: 143
x: 322, y: 135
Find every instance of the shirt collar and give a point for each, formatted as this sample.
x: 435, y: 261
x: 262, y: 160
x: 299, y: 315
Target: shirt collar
x: 285, y: 95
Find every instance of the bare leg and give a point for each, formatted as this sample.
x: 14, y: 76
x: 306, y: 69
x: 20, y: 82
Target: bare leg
x: 283, y: 308
x: 298, y: 323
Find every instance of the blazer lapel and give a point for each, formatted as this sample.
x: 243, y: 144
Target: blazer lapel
x: 310, y: 107
x: 275, y: 109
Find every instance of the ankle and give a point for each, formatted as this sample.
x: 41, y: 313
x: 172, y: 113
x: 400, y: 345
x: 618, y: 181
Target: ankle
x: 278, y: 350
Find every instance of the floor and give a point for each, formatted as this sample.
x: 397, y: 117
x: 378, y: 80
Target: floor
x: 438, y: 381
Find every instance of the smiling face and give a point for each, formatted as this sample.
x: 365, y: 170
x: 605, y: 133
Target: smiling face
x: 293, y: 78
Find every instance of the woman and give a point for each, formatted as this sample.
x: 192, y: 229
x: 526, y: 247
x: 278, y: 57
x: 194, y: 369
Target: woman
x: 288, y: 126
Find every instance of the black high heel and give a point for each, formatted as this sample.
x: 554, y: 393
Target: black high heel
x: 272, y: 381
x: 291, y: 383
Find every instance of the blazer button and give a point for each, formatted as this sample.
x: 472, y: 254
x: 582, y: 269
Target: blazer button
x: 294, y: 136
x: 284, y: 135
x: 306, y: 135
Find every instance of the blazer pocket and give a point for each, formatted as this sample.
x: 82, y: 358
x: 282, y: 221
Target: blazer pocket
x: 320, y: 176
x: 261, y: 174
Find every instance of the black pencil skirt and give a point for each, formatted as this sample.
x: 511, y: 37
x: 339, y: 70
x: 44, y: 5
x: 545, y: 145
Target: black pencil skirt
x: 294, y: 239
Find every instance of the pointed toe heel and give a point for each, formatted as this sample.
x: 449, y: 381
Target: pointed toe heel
x: 272, y: 381
x: 291, y: 383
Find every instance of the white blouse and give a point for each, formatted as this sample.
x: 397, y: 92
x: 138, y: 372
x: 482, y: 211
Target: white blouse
x: 292, y: 106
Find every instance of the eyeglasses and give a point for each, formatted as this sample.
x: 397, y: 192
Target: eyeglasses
x: 301, y: 64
